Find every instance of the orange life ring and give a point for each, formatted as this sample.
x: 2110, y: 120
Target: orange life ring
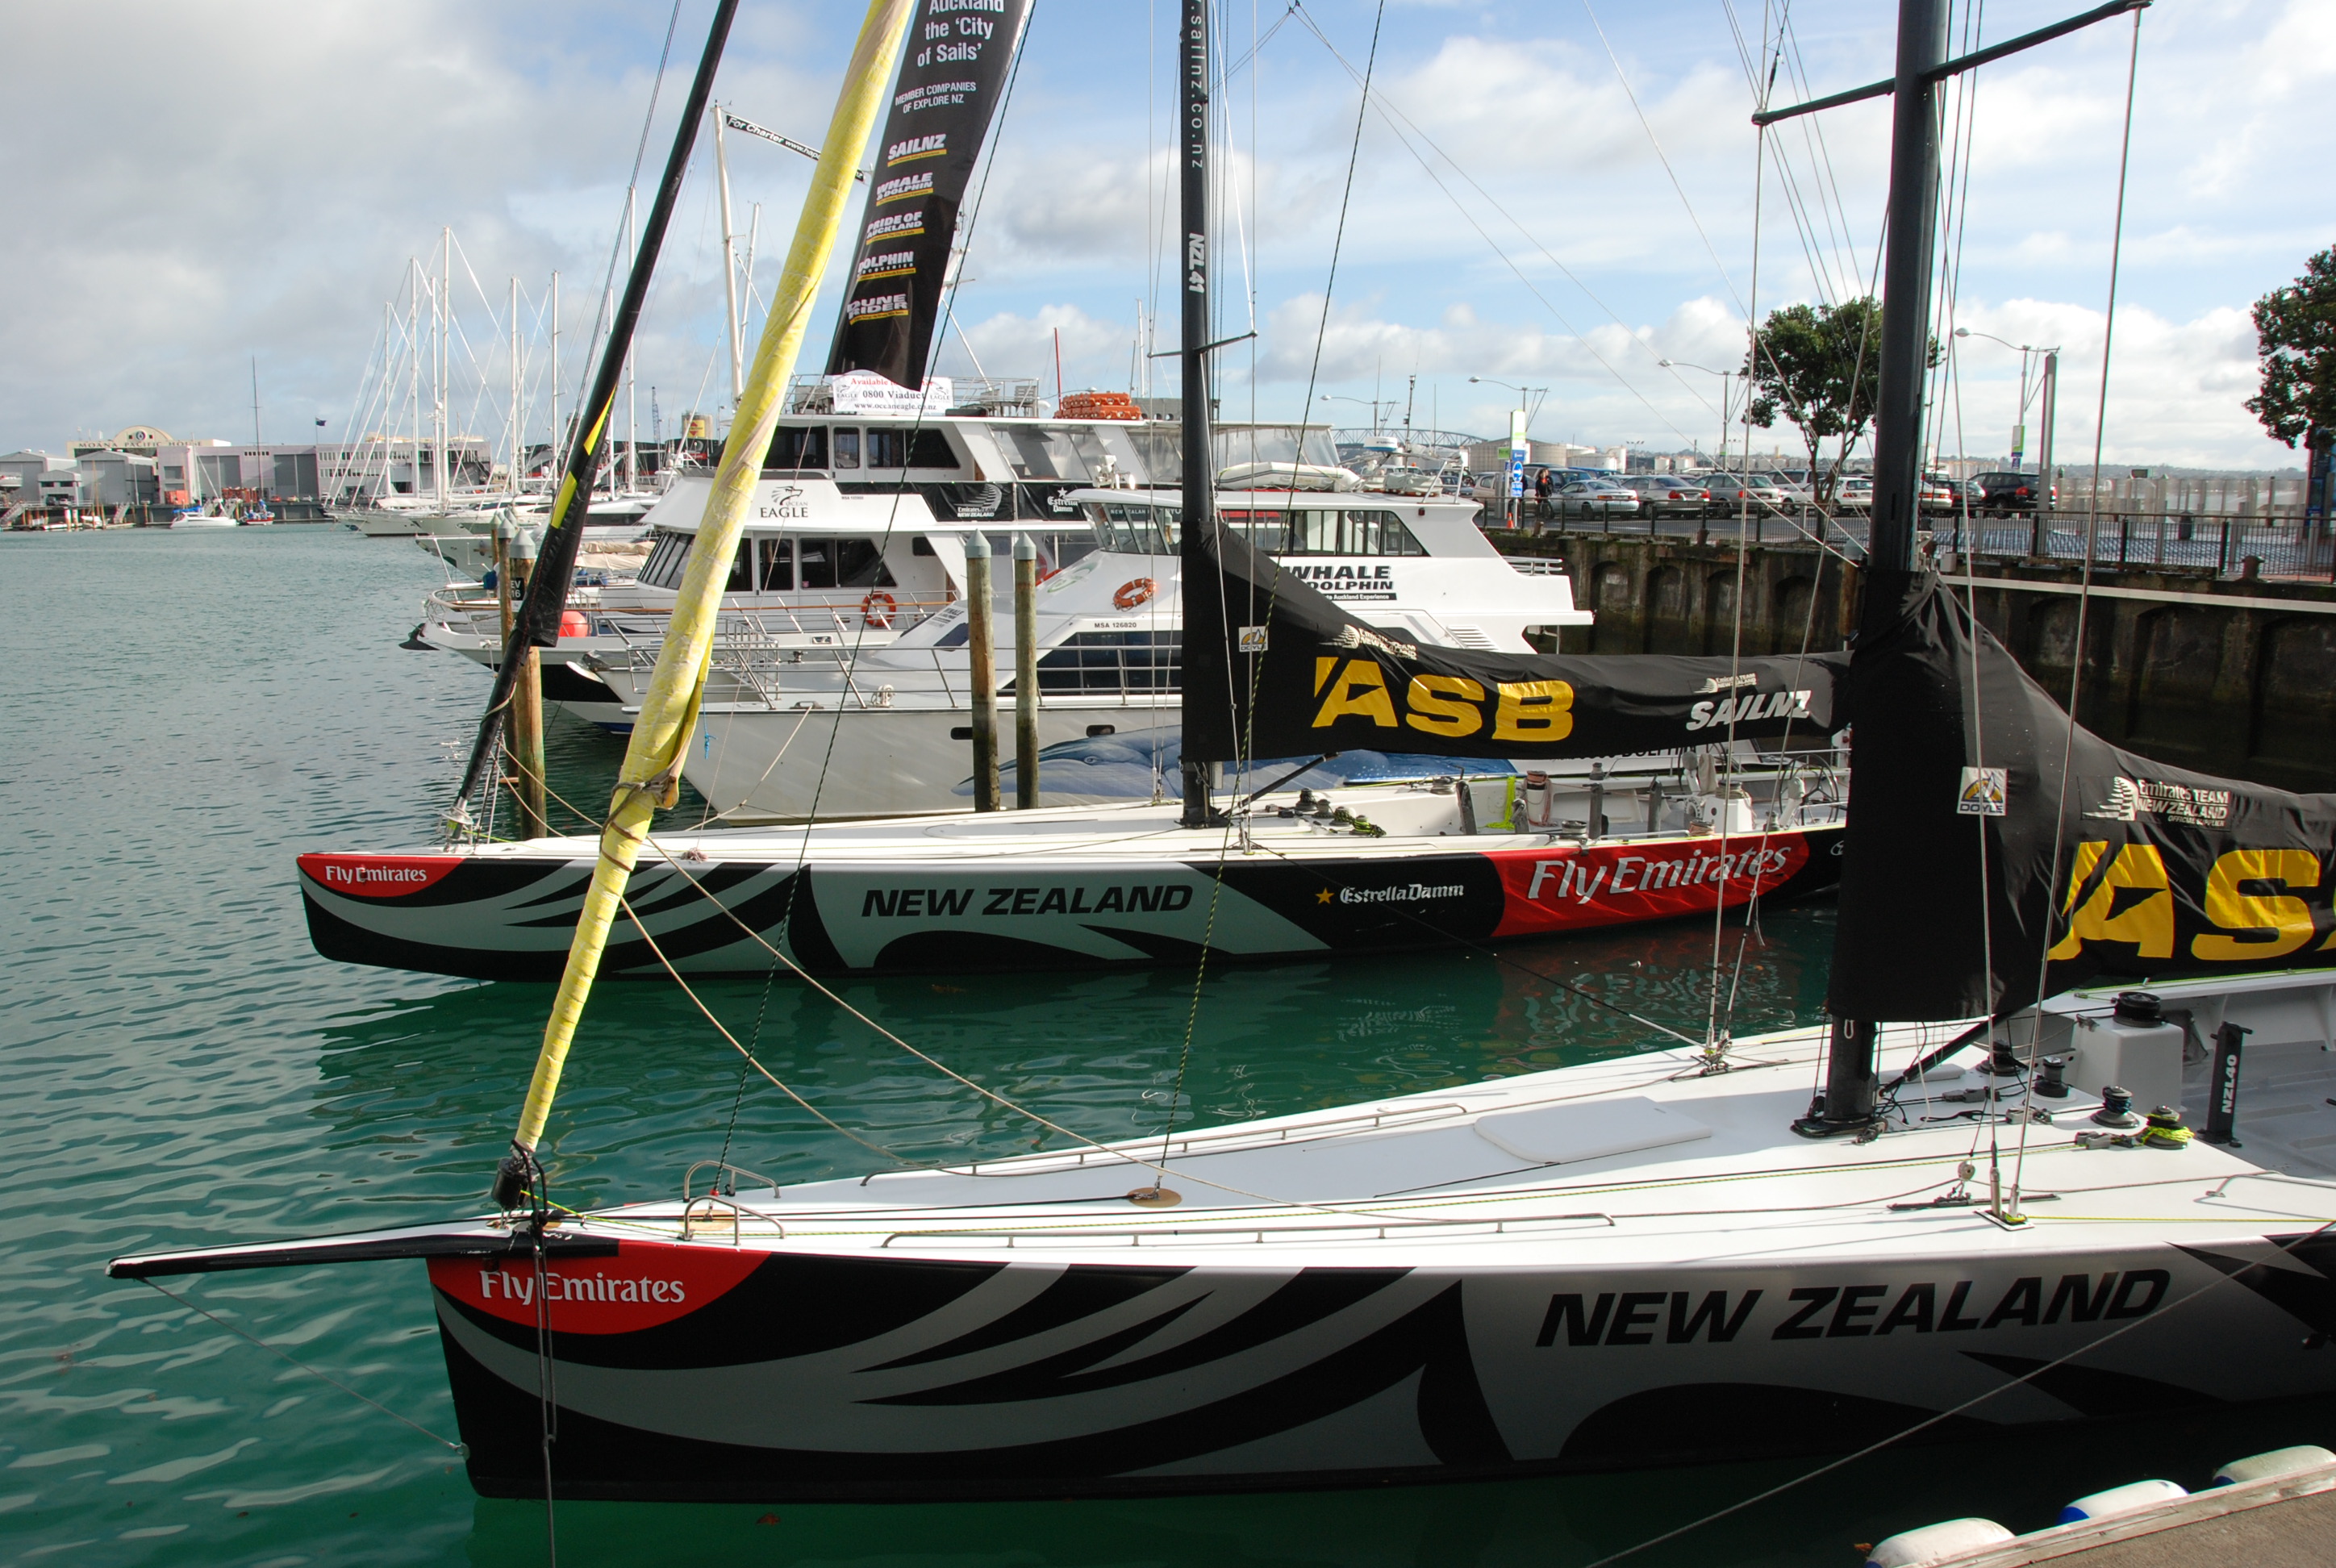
x: 878, y: 609
x: 1135, y: 592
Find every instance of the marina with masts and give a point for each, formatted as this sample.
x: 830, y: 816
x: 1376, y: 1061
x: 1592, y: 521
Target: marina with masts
x: 1238, y: 968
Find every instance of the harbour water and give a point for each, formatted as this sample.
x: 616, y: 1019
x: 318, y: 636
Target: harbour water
x: 189, y: 710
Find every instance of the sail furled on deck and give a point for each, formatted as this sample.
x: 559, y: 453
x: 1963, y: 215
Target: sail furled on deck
x: 2153, y: 872
x: 951, y: 81
x: 1274, y: 669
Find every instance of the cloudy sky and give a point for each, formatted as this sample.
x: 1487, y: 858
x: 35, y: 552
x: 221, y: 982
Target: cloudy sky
x: 1556, y: 194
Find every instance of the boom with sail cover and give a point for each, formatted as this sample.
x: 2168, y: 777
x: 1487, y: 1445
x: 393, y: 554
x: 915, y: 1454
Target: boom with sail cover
x: 2118, y: 867
x: 950, y: 83
x: 1274, y: 669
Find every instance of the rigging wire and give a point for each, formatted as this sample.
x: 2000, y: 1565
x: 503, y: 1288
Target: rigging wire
x: 1672, y: 174
x: 2085, y: 583
x: 1405, y: 132
x: 312, y: 1371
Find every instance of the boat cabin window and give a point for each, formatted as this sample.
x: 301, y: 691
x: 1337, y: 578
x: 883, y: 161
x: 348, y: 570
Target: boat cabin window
x: 798, y: 446
x: 663, y: 568
x: 776, y: 557
x: 801, y: 446
x: 1135, y: 530
x: 1112, y: 661
x: 832, y: 562
x: 1326, y: 532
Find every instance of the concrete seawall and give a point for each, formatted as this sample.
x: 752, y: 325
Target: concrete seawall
x: 2233, y: 677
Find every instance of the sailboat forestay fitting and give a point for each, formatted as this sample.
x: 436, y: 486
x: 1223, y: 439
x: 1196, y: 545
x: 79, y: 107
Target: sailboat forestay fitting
x: 1627, y: 1263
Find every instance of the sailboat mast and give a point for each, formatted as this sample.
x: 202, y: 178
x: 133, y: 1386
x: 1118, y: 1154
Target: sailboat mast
x: 729, y: 260
x: 667, y: 715
x: 512, y: 477
x: 413, y: 364
x: 632, y: 399
x: 554, y: 449
x: 440, y: 303
x: 1850, y: 1056
x: 1199, y: 467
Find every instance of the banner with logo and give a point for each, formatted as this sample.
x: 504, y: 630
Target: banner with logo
x: 952, y: 74
x: 1979, y: 870
x: 1272, y: 668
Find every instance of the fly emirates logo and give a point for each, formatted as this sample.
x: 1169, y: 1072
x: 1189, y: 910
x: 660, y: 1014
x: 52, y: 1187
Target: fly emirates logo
x: 513, y: 1285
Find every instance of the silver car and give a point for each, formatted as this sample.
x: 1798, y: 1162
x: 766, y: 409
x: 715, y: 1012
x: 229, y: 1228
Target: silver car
x: 1595, y: 498
x: 1731, y: 493
x: 1668, y: 495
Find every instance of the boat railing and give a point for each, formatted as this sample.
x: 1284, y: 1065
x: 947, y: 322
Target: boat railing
x: 1244, y: 1229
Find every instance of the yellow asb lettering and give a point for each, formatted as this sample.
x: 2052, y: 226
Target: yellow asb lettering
x: 2148, y: 924
x: 2286, y: 921
x: 1360, y: 689
x: 1430, y: 699
x: 1529, y: 710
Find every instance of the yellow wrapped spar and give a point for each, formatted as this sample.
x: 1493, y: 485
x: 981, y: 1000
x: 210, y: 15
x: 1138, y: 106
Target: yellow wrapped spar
x: 668, y: 712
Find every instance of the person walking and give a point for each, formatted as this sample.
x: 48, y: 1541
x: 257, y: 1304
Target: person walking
x: 1541, y: 497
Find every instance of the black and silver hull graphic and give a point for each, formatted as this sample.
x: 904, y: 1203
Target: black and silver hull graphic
x: 795, y: 1376
x: 508, y: 916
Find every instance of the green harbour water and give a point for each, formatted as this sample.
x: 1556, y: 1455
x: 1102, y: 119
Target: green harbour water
x: 188, y: 711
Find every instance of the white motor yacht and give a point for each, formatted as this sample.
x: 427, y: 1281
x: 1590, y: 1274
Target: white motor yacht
x: 839, y: 682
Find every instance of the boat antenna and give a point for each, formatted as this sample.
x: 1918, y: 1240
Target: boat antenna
x: 535, y: 620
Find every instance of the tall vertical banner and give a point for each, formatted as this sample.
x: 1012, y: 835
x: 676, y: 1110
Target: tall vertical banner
x: 952, y: 75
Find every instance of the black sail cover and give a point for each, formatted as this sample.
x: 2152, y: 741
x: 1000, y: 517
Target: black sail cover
x: 1273, y: 669
x: 2117, y: 867
x: 952, y: 74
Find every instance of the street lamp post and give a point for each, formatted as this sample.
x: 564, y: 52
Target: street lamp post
x: 2047, y: 400
x: 1519, y: 432
x: 1726, y: 390
x: 1373, y: 404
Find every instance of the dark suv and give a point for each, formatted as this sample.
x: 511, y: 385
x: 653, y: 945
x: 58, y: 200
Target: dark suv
x: 2003, y: 494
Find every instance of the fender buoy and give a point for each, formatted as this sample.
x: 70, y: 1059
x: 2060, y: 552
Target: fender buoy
x: 878, y: 609
x: 1135, y: 592
x: 573, y: 624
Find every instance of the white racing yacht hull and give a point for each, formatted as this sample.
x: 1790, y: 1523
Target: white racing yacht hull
x: 1074, y: 889
x: 1627, y: 1263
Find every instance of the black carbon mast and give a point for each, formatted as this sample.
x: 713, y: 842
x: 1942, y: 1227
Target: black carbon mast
x: 536, y: 619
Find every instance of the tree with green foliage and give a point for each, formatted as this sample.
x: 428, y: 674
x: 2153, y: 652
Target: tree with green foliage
x: 1819, y: 368
x: 2296, y: 337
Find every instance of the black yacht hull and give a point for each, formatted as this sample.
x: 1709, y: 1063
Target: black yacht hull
x: 510, y: 917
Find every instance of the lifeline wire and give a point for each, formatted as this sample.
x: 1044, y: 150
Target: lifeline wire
x: 312, y: 1371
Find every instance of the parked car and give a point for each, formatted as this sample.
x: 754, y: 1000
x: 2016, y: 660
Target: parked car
x: 1668, y: 495
x: 1732, y: 493
x: 1595, y: 498
x: 1939, y: 495
x: 2007, y: 494
x: 1795, y: 484
x: 1854, y: 493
